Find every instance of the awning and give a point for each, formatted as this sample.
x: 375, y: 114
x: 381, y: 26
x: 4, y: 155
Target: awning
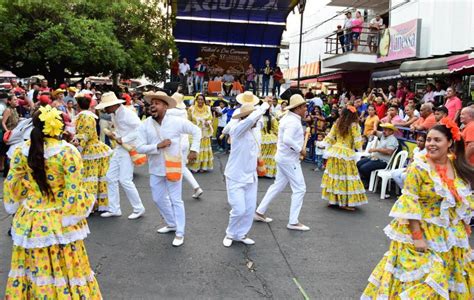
x: 461, y: 62
x: 386, y: 74
x: 305, y: 82
x: 331, y: 76
x: 425, y: 67
x: 7, y: 74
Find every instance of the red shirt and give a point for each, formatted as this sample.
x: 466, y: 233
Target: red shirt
x: 468, y: 136
x: 381, y: 110
x: 453, y: 104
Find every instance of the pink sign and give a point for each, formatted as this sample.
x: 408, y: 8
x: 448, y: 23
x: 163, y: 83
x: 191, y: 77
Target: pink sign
x: 400, y: 42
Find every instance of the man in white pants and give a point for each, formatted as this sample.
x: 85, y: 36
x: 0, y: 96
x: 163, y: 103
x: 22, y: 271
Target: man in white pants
x: 120, y: 170
x: 180, y: 111
x: 241, y: 173
x: 160, y: 138
x: 289, y: 149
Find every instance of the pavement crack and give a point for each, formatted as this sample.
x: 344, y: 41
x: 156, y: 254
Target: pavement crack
x: 221, y: 166
x: 265, y: 290
x: 99, y: 264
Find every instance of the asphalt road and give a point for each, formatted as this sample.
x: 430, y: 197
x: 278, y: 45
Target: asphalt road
x: 331, y: 261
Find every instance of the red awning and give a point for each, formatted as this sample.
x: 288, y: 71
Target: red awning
x: 304, y: 82
x: 331, y: 76
x: 461, y: 62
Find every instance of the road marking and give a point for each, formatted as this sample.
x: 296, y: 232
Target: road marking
x: 300, y: 288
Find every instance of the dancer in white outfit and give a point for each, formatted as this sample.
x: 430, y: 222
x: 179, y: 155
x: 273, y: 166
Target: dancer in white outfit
x: 289, y: 149
x: 160, y: 138
x: 241, y: 173
x: 180, y: 111
x: 120, y: 170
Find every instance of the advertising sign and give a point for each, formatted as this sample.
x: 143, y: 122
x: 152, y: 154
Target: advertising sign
x: 400, y: 42
x: 222, y: 58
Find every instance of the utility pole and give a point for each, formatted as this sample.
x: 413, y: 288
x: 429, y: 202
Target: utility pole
x: 301, y: 6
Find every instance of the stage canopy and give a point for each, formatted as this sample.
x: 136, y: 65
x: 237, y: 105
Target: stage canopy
x: 251, y: 27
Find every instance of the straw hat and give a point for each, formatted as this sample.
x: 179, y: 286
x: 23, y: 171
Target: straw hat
x: 247, y: 98
x: 108, y: 99
x: 179, y: 100
x: 389, y: 126
x: 57, y: 92
x: 72, y: 89
x: 295, y: 101
x: 245, y: 110
x: 148, y: 96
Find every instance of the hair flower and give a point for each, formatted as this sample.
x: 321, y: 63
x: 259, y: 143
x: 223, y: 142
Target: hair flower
x: 453, y: 127
x: 53, y: 122
x: 351, y: 108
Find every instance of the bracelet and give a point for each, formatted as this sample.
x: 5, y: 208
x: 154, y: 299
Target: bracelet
x: 417, y: 235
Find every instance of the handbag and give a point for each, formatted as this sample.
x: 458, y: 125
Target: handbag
x: 6, y: 136
x: 282, y: 81
x: 261, y: 167
x: 173, y: 163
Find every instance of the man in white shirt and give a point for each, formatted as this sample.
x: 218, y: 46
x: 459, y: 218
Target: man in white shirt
x: 348, y: 32
x: 289, y: 149
x: 125, y: 122
x: 241, y: 173
x: 160, y: 138
x: 373, y: 38
x: 184, y: 69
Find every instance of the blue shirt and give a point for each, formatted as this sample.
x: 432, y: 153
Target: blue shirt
x: 229, y: 112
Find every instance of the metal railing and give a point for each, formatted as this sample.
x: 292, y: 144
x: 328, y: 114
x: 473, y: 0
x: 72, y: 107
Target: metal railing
x: 340, y: 42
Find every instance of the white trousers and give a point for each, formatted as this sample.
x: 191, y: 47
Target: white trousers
x: 286, y: 173
x: 189, y: 177
x: 167, y: 196
x: 242, y: 198
x: 121, y: 170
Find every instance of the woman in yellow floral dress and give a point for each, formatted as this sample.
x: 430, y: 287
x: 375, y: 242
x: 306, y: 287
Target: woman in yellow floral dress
x: 429, y: 256
x: 44, y: 190
x: 341, y: 184
x: 269, y: 143
x: 200, y: 114
x: 95, y: 154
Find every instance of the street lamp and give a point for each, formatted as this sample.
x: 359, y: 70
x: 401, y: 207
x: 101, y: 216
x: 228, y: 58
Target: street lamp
x: 301, y: 6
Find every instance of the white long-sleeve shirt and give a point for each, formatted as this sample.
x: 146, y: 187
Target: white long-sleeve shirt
x: 290, y: 139
x: 242, y: 163
x: 126, y: 123
x: 183, y: 114
x: 150, y: 134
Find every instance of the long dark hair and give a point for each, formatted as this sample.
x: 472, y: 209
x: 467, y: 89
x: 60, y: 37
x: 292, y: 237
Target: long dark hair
x: 36, y: 160
x: 345, y: 121
x: 462, y: 167
x: 269, y: 120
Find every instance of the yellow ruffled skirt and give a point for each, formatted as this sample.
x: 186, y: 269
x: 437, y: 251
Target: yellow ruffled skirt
x: 205, y: 158
x: 268, y: 150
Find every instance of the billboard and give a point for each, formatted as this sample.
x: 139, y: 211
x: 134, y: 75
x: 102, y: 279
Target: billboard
x: 400, y: 42
x: 222, y: 58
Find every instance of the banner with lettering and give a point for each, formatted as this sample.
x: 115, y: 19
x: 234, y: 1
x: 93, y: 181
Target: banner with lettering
x: 222, y: 58
x: 400, y: 42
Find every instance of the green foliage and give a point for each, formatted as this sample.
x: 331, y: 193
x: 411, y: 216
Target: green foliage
x: 62, y: 38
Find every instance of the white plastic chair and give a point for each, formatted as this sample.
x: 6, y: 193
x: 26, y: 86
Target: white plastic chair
x: 370, y: 145
x: 386, y: 175
x: 373, y: 174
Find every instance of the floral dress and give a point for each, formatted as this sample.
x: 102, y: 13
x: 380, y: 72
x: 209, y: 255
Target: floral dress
x: 96, y: 156
x: 202, y: 117
x: 341, y: 184
x: 446, y: 270
x: 49, y: 259
x: 269, y: 146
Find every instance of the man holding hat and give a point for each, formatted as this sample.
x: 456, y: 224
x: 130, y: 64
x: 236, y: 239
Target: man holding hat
x: 380, y: 156
x: 290, y: 147
x: 125, y: 123
x: 160, y: 138
x: 241, y: 171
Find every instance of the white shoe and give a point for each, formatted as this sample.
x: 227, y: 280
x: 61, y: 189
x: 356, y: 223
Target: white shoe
x: 263, y: 219
x: 198, y: 193
x: 136, y: 215
x: 247, y: 241
x: 227, y: 242
x: 109, y: 214
x: 178, y: 241
x: 166, y: 229
x: 299, y: 227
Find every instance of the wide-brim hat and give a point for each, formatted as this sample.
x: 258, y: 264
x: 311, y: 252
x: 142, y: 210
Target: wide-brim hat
x: 295, y: 101
x: 73, y: 89
x: 148, y: 96
x: 247, y: 98
x: 199, y: 59
x: 179, y: 100
x: 57, y: 92
x: 389, y: 126
x: 245, y: 110
x: 108, y: 99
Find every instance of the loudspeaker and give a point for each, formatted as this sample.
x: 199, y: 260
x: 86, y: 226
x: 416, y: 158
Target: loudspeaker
x: 290, y: 92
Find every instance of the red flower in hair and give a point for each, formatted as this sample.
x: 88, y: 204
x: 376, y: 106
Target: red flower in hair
x: 351, y: 108
x: 453, y: 127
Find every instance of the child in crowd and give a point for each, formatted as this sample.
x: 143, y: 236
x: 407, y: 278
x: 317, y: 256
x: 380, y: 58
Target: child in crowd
x: 319, y: 152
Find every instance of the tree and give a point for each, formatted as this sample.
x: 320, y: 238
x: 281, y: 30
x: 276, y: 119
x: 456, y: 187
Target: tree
x: 81, y: 38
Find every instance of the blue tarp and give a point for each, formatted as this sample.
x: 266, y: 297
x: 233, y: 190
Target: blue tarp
x: 231, y: 22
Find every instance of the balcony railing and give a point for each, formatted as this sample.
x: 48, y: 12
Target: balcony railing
x: 341, y: 42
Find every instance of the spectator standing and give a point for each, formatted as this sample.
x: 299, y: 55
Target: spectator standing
x: 221, y: 122
x: 174, y: 70
x: 373, y: 39
x: 201, y: 70
x: 277, y: 81
x: 184, y: 70
x: 467, y: 119
x: 340, y: 38
x: 309, y: 94
x: 44, y: 87
x: 371, y: 122
x: 428, y: 97
x: 227, y: 82
x: 453, y: 104
x: 357, y: 29
x: 33, y: 92
x: 439, y: 93
x: 267, y: 72
x: 348, y: 32
x: 250, y: 79
x: 319, y: 152
x: 401, y: 91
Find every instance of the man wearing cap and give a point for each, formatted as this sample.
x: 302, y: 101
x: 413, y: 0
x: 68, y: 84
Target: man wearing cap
x: 160, y: 138
x: 125, y: 123
x: 71, y: 92
x: 290, y: 147
x: 241, y: 172
x: 380, y: 156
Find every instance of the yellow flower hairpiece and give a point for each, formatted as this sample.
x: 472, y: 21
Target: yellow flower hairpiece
x: 53, y: 122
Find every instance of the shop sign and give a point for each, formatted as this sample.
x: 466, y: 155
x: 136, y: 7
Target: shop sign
x: 221, y: 59
x: 400, y: 42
